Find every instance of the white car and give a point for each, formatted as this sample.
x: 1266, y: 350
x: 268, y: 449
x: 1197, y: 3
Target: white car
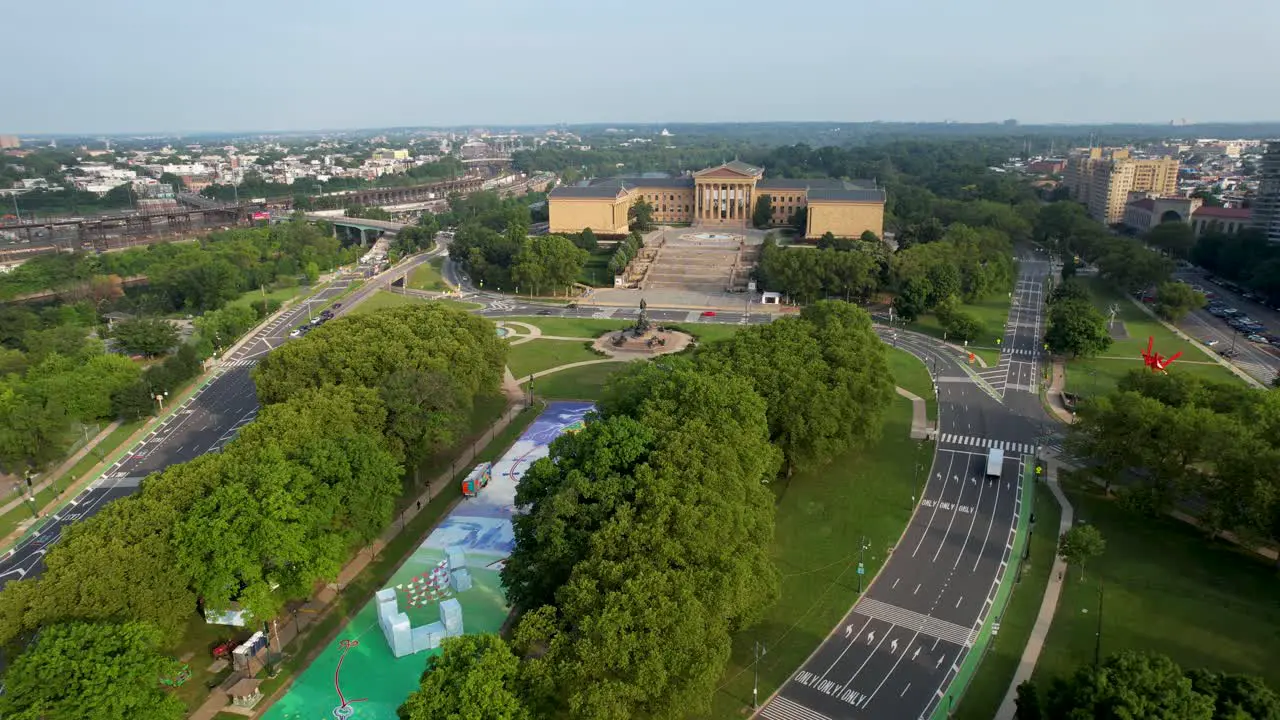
x: 295, y: 333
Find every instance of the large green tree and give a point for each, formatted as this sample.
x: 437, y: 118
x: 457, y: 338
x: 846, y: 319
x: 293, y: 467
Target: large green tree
x: 1126, y: 686
x: 91, y: 671
x: 1175, y: 300
x: 1175, y: 238
x: 365, y: 350
x: 1076, y: 328
x: 823, y: 374
x: 661, y: 558
x: 641, y: 215
x: 310, y: 478
x: 762, y: 215
x: 1080, y: 544
x: 473, y: 677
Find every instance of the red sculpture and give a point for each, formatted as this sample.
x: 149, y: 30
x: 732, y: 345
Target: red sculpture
x: 1153, y: 360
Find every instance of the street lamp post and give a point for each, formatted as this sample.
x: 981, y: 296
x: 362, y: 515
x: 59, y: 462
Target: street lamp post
x: 862, y: 547
x: 760, y: 650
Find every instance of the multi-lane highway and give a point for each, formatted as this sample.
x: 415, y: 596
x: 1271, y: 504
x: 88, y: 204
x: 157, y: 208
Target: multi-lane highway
x: 895, y: 654
x: 204, y: 422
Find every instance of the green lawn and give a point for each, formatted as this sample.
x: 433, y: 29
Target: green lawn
x: 991, y: 681
x: 596, y: 270
x: 1168, y: 589
x: 580, y: 383
x: 427, y: 276
x: 585, y: 328
x: 281, y: 294
x: 822, y: 515
x: 384, y: 299
x: 708, y: 332
x: 387, y: 299
x: 1101, y: 374
x: 993, y: 313
x: 538, y: 355
x: 910, y: 374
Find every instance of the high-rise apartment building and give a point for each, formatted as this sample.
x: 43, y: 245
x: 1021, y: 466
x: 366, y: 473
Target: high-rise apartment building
x: 1102, y: 178
x: 1266, y: 206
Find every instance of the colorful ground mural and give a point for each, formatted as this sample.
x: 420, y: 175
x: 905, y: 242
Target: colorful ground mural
x: 357, y: 676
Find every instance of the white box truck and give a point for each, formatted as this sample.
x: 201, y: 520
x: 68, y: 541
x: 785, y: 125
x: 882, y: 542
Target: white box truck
x: 995, y: 460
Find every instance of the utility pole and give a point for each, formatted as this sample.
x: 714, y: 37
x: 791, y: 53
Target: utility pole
x: 760, y: 650
x: 1097, y: 638
x: 862, y: 547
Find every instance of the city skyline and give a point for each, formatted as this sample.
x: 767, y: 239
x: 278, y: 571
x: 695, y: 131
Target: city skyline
x: 263, y: 67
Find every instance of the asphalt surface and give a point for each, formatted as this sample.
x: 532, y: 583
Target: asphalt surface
x: 204, y: 423
x: 1261, y: 362
x: 896, y: 652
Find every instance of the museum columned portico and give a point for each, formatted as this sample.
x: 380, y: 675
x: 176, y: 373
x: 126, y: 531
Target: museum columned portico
x: 723, y: 195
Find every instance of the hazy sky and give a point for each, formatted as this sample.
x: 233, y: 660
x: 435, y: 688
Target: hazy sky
x: 230, y: 65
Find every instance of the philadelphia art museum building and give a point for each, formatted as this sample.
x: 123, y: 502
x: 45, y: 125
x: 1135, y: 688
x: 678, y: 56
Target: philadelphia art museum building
x: 721, y: 197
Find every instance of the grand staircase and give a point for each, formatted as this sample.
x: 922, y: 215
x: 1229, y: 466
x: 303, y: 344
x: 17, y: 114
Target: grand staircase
x: 701, y: 265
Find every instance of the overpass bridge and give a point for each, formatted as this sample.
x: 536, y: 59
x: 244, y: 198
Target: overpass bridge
x: 364, y: 226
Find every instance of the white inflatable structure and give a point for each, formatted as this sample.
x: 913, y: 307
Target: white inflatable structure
x: 402, y: 637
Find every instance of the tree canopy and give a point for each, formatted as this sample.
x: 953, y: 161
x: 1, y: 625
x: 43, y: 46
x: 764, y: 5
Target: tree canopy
x: 90, y: 671
x: 472, y: 677
x: 823, y: 375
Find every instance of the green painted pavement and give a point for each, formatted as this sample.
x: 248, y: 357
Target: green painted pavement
x: 972, y: 659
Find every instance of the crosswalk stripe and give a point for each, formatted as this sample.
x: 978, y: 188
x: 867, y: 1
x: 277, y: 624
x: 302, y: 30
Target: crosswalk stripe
x: 780, y: 708
x: 912, y: 620
x: 1009, y: 445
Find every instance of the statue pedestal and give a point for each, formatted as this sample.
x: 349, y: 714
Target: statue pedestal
x: 628, y: 343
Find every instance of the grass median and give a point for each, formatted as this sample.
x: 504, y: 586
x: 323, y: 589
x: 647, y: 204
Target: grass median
x: 580, y: 383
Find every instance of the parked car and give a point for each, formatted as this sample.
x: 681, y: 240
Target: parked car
x: 295, y: 332
x: 1255, y: 338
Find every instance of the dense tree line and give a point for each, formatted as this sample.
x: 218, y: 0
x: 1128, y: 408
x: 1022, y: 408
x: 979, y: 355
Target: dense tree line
x: 625, y: 252
x: 807, y: 274
x: 1067, y: 231
x: 966, y: 263
x: 1130, y: 685
x: 492, y: 244
x: 188, y: 276
x: 282, y: 507
x: 1245, y: 257
x: 1164, y: 438
x: 644, y: 540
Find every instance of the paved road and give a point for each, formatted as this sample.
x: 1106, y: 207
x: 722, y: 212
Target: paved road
x: 205, y: 422
x: 896, y: 652
x: 1260, y: 361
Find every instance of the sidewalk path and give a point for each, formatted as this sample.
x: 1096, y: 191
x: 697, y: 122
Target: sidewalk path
x: 1048, y: 606
x: 1054, y: 394
x: 920, y: 427
x: 49, y: 478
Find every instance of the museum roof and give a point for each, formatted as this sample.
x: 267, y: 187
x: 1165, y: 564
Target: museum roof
x: 846, y: 195
x: 813, y: 183
x: 587, y: 191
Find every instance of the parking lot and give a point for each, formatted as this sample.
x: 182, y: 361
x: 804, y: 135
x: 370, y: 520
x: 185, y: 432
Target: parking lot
x: 1239, y: 328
